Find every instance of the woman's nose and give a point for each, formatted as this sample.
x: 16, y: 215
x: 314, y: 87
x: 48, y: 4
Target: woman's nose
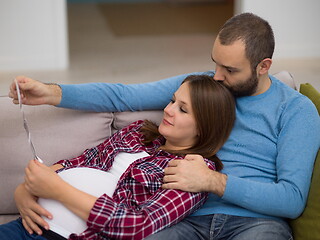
x: 169, y: 109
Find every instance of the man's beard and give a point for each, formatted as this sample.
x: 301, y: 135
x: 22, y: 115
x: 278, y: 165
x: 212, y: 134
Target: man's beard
x: 246, y: 88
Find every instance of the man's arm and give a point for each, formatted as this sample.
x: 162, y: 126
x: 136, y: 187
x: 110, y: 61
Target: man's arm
x: 105, y: 97
x: 297, y: 145
x: 99, y: 97
x: 202, y: 178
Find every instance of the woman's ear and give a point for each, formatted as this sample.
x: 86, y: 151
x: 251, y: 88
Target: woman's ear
x: 264, y: 66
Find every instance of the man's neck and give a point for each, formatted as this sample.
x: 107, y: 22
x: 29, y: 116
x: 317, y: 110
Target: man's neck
x: 264, y: 84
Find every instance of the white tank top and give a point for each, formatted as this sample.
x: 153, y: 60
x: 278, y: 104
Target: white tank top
x: 92, y: 181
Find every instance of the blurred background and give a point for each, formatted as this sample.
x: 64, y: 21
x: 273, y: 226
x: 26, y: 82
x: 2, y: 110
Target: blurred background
x: 129, y: 41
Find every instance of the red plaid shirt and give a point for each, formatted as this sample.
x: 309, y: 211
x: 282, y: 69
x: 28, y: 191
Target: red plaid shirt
x: 139, y: 206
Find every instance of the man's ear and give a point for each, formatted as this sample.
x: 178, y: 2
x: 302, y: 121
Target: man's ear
x: 264, y: 66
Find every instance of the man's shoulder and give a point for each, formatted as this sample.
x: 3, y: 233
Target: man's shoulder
x: 287, y: 92
x: 292, y: 101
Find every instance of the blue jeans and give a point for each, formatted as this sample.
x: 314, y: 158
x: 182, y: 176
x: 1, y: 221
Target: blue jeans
x: 15, y: 231
x: 226, y: 227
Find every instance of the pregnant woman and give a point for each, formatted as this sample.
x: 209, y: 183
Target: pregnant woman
x: 113, y: 191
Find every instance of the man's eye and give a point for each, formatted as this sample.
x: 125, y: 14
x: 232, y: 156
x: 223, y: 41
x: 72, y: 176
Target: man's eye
x: 172, y: 101
x: 232, y: 70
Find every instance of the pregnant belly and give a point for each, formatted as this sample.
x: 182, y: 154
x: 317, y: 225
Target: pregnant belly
x: 89, y: 180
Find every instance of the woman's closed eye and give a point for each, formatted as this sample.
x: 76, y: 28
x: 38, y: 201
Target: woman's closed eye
x: 183, y: 110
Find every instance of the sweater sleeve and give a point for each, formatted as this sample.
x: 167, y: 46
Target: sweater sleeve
x: 297, y: 146
x: 108, y: 97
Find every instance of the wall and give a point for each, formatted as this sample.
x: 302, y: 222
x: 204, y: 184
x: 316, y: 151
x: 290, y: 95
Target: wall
x: 33, y: 35
x: 295, y: 24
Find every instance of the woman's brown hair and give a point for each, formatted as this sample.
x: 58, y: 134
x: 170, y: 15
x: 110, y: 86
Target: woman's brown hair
x: 214, y: 112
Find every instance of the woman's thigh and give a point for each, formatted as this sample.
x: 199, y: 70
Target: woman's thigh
x: 15, y: 230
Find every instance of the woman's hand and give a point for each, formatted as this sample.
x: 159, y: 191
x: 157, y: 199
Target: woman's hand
x: 42, y: 181
x: 34, y: 92
x: 30, y: 211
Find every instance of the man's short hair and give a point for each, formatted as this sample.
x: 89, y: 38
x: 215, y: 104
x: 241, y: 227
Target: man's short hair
x: 255, y: 32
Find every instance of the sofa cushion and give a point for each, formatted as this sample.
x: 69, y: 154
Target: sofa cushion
x: 307, y: 226
x: 308, y: 90
x: 123, y: 119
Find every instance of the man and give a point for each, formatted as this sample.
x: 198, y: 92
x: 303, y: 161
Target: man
x: 268, y: 158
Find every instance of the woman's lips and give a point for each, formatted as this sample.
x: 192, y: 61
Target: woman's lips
x: 166, y: 122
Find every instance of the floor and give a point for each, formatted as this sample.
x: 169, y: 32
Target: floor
x: 99, y: 55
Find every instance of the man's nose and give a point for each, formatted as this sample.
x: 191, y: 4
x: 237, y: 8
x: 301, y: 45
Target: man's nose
x: 219, y: 76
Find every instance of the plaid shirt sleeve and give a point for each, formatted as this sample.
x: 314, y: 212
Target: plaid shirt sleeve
x: 101, y: 156
x: 129, y: 221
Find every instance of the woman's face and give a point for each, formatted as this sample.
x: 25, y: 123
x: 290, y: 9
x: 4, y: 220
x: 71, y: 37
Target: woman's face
x: 178, y: 125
